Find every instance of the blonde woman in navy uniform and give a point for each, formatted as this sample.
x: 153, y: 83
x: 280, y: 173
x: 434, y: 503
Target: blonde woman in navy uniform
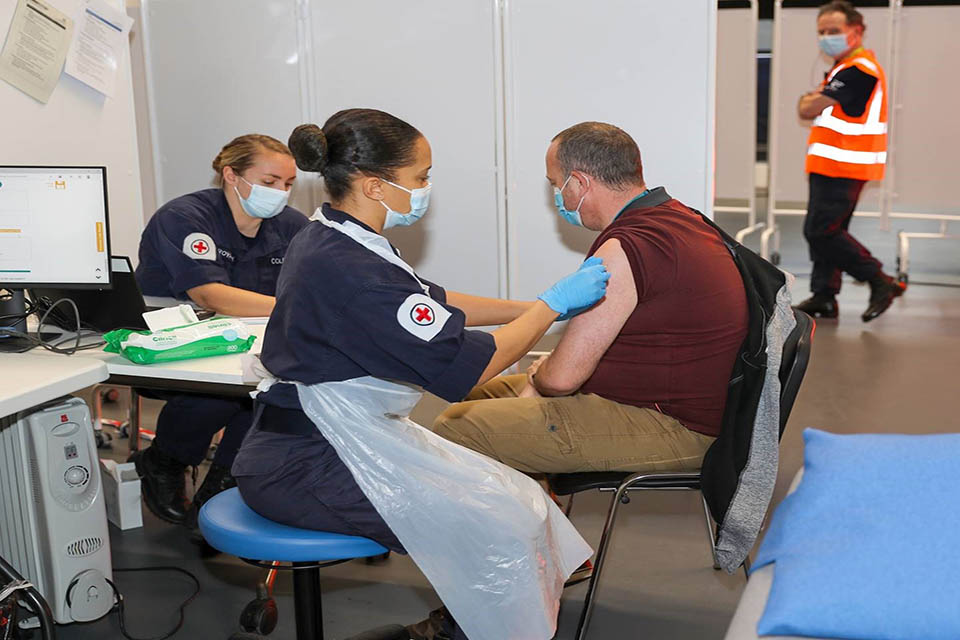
x: 221, y: 248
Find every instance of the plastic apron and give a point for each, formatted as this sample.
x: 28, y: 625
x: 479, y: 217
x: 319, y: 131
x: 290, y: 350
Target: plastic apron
x: 494, y: 546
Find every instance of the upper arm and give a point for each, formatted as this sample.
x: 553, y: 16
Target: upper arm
x: 590, y: 334
x: 187, y: 247
x: 403, y: 334
x: 851, y: 88
x: 813, y: 104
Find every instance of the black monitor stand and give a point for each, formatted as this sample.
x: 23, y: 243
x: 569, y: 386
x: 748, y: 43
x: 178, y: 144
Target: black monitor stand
x: 13, y: 309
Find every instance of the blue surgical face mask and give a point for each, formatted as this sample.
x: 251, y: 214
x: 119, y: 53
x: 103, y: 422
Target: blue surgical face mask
x: 573, y: 217
x: 834, y: 45
x: 419, y: 201
x: 264, y: 202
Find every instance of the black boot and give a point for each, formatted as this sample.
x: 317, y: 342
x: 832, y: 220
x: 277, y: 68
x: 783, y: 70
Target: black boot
x: 438, y: 626
x: 218, y: 479
x: 883, y: 289
x: 162, y: 483
x: 820, y: 305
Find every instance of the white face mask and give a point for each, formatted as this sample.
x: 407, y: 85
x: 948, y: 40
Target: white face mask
x: 264, y: 202
x: 419, y: 201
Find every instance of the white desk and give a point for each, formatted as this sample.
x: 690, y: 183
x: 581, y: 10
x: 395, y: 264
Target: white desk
x: 220, y: 375
x: 29, y: 380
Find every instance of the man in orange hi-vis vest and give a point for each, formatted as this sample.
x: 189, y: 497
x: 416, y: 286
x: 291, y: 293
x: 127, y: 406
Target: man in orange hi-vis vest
x: 847, y: 147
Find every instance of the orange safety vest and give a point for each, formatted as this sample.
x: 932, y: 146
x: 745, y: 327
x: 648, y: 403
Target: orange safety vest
x: 843, y: 146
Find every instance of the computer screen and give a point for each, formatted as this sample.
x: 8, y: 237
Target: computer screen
x: 53, y: 227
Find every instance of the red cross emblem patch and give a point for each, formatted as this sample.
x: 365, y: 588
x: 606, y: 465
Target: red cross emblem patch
x: 422, y: 315
x: 200, y: 246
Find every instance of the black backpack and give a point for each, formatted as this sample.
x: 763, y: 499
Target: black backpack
x: 727, y: 456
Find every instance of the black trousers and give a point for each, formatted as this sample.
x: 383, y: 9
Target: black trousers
x: 187, y: 424
x: 832, y: 249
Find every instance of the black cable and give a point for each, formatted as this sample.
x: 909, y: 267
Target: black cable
x: 38, y: 341
x: 180, y: 610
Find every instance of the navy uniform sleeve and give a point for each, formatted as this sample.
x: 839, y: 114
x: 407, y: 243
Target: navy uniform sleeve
x: 402, y: 334
x: 852, y: 88
x: 188, y: 249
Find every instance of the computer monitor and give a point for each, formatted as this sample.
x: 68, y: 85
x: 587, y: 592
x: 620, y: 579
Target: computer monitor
x: 54, y: 229
x: 54, y: 232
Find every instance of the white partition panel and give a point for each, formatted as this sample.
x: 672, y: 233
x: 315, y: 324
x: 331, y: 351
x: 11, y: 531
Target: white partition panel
x: 736, y: 101
x: 217, y: 69
x: 798, y: 67
x: 647, y: 67
x: 78, y: 126
x: 925, y: 136
x: 432, y: 63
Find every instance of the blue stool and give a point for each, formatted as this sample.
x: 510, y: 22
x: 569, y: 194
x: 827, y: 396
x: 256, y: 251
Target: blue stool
x: 229, y: 525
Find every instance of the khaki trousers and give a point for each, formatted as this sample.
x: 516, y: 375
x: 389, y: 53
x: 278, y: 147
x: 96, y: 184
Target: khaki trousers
x: 577, y: 433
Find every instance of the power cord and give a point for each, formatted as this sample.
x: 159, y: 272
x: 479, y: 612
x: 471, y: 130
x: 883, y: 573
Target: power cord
x: 119, y: 602
x: 55, y: 347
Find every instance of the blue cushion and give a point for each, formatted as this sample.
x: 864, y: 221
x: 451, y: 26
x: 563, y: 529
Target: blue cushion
x: 229, y: 525
x: 868, y: 546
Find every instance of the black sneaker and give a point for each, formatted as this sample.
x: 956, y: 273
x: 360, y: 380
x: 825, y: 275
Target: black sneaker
x: 438, y: 626
x: 883, y: 290
x: 218, y: 479
x: 820, y: 306
x: 162, y: 483
x: 392, y: 632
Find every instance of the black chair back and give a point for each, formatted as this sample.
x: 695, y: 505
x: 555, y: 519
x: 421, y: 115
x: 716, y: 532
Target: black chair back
x: 793, y: 365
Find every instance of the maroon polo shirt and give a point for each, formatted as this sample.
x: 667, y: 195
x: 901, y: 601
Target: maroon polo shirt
x: 676, y: 351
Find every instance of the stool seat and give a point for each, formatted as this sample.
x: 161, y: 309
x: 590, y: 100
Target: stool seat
x: 229, y: 525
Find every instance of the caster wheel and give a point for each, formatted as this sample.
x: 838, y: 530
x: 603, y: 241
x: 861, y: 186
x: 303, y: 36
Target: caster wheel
x: 259, y: 616
x: 904, y: 278
x: 103, y: 440
x: 380, y: 559
x: 110, y: 395
x: 775, y: 258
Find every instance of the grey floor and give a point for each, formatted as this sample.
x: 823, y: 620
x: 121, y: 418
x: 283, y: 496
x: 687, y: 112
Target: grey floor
x: 896, y: 374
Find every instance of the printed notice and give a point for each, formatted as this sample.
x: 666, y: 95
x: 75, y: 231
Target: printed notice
x: 99, y: 43
x: 36, y: 46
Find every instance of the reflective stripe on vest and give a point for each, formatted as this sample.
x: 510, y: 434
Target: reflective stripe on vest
x: 851, y: 147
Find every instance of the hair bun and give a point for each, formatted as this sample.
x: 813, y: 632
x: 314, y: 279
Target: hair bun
x: 309, y: 147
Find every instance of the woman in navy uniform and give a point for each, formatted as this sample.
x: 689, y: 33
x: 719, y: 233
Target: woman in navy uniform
x: 348, y: 307
x: 223, y: 249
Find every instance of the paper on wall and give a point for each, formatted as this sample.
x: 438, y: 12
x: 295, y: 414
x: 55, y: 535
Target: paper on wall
x: 99, y: 42
x: 36, y: 46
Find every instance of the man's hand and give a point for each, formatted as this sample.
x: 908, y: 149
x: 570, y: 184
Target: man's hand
x: 535, y: 365
x: 811, y: 104
x: 530, y: 391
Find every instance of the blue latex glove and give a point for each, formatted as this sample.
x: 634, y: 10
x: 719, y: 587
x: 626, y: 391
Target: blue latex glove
x: 563, y: 317
x: 580, y: 290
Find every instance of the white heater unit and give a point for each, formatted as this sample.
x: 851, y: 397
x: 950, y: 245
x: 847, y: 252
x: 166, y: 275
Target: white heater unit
x: 53, y: 523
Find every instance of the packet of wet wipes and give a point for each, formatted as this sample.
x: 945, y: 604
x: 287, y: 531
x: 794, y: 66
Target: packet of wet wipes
x: 214, y: 337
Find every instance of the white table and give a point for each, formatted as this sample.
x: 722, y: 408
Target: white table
x: 30, y: 380
x: 219, y: 375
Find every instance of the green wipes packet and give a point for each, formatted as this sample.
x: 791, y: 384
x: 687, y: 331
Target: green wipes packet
x: 214, y: 337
